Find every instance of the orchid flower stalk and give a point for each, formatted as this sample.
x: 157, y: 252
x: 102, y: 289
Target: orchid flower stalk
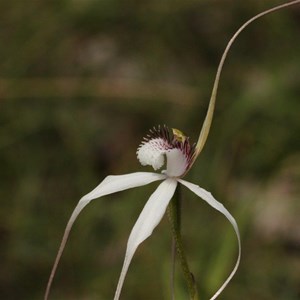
x: 174, y: 150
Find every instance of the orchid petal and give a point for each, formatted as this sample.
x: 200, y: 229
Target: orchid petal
x: 149, y: 218
x: 111, y: 184
x: 205, y: 195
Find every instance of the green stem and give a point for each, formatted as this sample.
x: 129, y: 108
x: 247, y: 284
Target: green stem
x: 174, y: 214
x: 173, y: 262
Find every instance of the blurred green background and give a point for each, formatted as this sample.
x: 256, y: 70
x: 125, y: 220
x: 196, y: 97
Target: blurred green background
x: 82, y: 81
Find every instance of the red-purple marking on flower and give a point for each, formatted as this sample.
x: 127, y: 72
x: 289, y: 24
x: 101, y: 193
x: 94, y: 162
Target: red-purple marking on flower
x: 160, y: 142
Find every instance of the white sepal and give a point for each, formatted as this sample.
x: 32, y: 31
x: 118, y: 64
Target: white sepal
x: 207, y: 196
x: 116, y: 183
x: 110, y: 185
x: 149, y: 218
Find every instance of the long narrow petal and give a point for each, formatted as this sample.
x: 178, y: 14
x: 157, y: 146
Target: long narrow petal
x: 111, y: 184
x: 205, y: 195
x: 149, y: 218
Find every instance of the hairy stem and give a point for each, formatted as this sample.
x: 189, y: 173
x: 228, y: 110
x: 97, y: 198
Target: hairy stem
x: 173, y: 263
x: 174, y: 214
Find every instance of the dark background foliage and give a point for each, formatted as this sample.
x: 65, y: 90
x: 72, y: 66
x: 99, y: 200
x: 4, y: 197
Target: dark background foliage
x: 81, y: 82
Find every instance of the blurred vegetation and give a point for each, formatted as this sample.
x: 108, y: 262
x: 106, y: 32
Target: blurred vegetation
x: 81, y: 82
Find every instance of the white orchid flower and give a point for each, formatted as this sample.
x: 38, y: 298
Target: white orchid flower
x: 159, y: 145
